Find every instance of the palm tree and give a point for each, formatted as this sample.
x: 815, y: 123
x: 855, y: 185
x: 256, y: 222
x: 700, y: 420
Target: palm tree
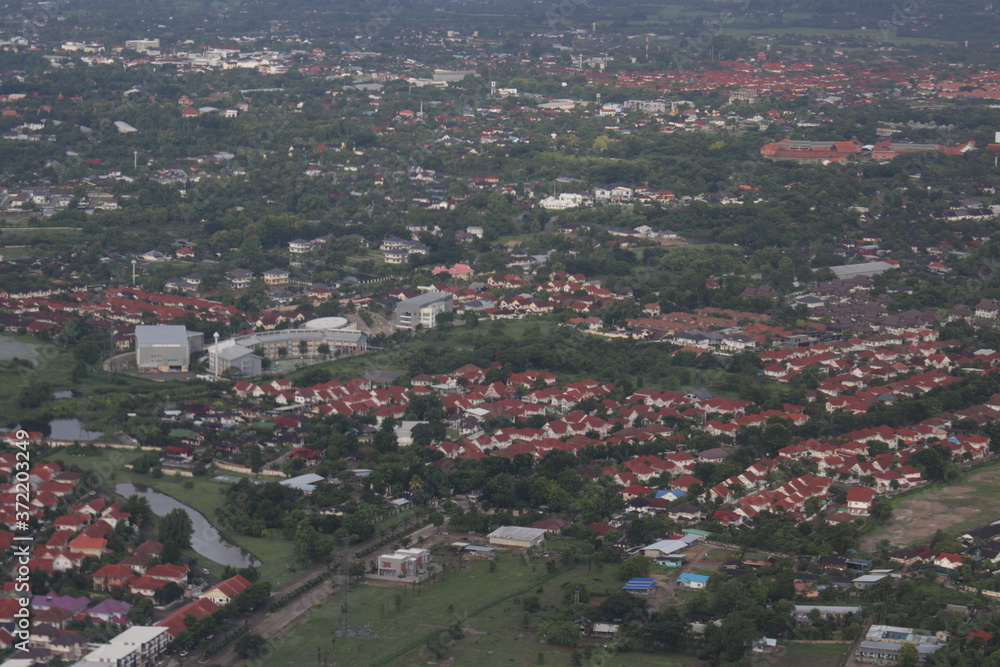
x: 416, y: 484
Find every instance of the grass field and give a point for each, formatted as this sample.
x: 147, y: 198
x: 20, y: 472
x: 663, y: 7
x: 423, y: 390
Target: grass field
x: 482, y: 603
x: 810, y: 655
x: 464, y: 339
x: 458, y: 338
x: 973, y: 500
x: 54, y: 365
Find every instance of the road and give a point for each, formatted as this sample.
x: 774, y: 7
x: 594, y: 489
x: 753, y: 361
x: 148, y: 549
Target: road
x: 273, y: 625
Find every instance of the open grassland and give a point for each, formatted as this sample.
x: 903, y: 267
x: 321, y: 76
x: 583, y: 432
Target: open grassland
x: 484, y: 604
x: 809, y: 655
x: 459, y: 339
x: 574, y: 356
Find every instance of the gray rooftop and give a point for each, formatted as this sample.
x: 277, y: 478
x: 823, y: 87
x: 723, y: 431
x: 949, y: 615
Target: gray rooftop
x: 863, y: 269
x: 425, y: 299
x: 517, y: 533
x: 306, y: 482
x: 161, y: 334
x: 826, y: 609
x: 138, y: 634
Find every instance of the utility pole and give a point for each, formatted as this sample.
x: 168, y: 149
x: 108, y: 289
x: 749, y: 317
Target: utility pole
x: 345, y: 584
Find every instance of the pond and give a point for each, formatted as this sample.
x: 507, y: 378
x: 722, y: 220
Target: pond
x: 69, y: 430
x: 205, y: 540
x: 10, y: 348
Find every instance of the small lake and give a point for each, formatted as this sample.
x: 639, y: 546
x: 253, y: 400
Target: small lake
x: 205, y: 540
x: 10, y: 348
x: 68, y: 430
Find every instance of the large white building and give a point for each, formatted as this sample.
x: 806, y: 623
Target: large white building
x: 564, y: 201
x: 143, y: 45
x: 423, y: 310
x: 165, y: 348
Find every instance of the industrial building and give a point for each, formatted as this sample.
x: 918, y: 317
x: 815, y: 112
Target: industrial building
x: 847, y: 271
x: 517, y: 536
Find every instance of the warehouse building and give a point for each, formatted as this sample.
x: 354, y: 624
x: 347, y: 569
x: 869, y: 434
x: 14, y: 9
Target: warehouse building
x: 517, y: 536
x: 165, y: 348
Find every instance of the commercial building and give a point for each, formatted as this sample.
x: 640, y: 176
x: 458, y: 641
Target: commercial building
x: 404, y: 563
x: 847, y: 271
x: 143, y: 45
x: 139, y: 646
x: 165, y: 348
x: 517, y: 536
x: 243, y: 356
x: 422, y: 310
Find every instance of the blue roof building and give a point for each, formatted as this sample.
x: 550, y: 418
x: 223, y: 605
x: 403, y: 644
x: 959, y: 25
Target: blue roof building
x: 640, y: 585
x: 691, y: 580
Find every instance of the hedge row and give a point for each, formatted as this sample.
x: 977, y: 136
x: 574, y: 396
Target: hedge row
x: 221, y: 644
x: 288, y: 597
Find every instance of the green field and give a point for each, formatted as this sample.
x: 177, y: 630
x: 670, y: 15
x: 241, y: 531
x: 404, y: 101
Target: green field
x: 482, y: 603
x: 810, y: 655
x: 54, y: 365
x: 464, y: 339
x: 458, y: 338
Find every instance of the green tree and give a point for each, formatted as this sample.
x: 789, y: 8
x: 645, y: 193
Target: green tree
x: 561, y: 633
x: 254, y: 457
x: 35, y: 394
x: 909, y: 656
x: 385, y: 440
x: 250, y: 646
x: 622, y: 606
x: 635, y: 567
x: 168, y: 593
x: 174, y: 530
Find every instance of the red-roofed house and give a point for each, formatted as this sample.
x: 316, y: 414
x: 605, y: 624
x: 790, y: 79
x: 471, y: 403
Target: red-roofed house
x: 949, y: 561
x: 111, y: 576
x: 225, y: 591
x: 634, y: 491
x: 89, y: 546
x: 860, y: 499
x: 175, y: 622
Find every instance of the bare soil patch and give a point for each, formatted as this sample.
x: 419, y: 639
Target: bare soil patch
x: 917, y: 518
